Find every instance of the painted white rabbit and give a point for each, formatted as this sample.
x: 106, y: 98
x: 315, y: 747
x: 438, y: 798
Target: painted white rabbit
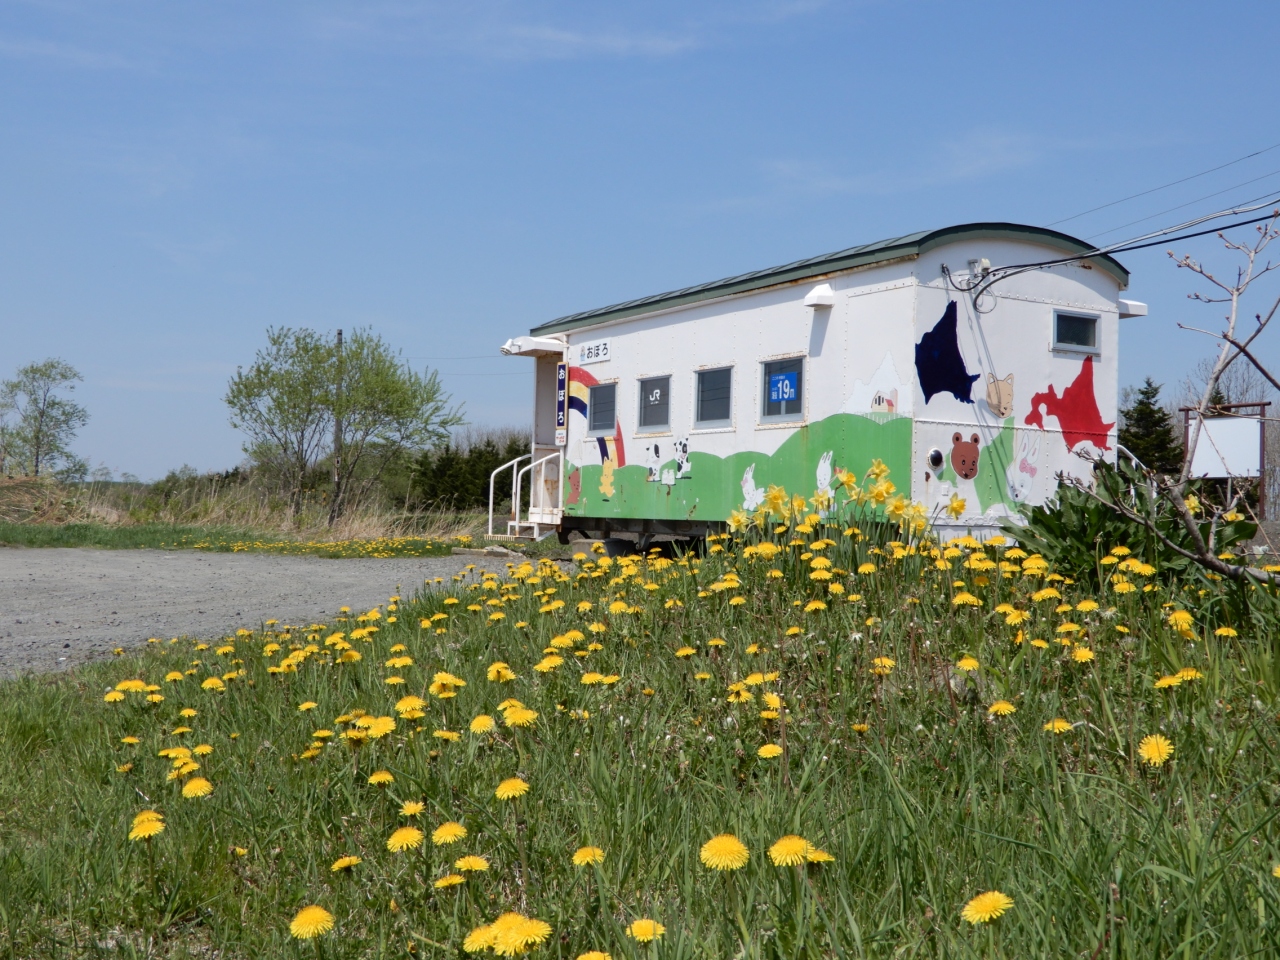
x: 824, y: 474
x: 752, y: 496
x: 1021, y: 474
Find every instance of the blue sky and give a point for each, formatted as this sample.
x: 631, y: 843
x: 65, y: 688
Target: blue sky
x: 174, y: 178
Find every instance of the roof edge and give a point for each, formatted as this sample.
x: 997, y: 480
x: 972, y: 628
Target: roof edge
x: 905, y: 247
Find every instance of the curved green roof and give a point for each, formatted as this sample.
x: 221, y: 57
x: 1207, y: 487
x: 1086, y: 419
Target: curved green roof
x: 911, y: 245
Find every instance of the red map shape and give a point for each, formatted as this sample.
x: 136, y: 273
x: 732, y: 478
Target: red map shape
x: 1076, y: 410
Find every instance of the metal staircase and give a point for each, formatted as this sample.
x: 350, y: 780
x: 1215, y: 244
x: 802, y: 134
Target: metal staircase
x: 542, y: 518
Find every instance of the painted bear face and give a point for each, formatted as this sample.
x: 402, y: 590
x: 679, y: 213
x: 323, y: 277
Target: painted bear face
x: 964, y: 456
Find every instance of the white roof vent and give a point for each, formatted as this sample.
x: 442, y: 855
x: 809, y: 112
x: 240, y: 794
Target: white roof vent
x: 1132, y: 308
x: 821, y: 296
x: 531, y: 347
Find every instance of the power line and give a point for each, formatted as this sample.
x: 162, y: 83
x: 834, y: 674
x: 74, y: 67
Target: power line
x: 1173, y: 183
x: 478, y: 356
x: 1189, y: 203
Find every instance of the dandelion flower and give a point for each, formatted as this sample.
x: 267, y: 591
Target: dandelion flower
x: 644, y: 930
x: 411, y: 808
x: 586, y: 856
x: 381, y: 778
x: 986, y: 907
x: 450, y: 832
x: 514, y: 933
x: 790, y: 851
x: 449, y: 880
x: 311, y: 922
x: 309, y: 705
x: 197, y: 787
x: 483, y: 724
x: 145, y: 829
x: 1172, y: 680
x: 519, y: 717
x: 1001, y: 708
x: 1155, y: 750
x: 471, y: 863
x: 406, y: 838
x: 724, y: 852
x: 478, y: 939
x: 819, y: 856
x: 344, y: 863
x: 1057, y: 725
x: 594, y: 955
x: 967, y: 664
x: 511, y: 788
x: 769, y: 751
x: 1081, y: 654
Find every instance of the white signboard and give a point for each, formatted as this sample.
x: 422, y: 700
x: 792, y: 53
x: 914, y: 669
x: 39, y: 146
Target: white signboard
x: 595, y: 351
x: 1228, y: 447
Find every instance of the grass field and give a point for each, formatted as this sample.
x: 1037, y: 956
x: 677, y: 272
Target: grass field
x: 162, y: 536
x: 890, y: 730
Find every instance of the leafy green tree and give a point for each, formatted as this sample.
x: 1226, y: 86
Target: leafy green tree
x: 283, y: 403
x: 38, y: 423
x: 381, y: 408
x: 306, y: 400
x: 1147, y: 431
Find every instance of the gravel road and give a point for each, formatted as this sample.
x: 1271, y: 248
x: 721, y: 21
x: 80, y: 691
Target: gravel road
x: 60, y: 607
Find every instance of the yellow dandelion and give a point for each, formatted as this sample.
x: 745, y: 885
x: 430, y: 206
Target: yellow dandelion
x: 769, y: 750
x: 449, y: 880
x: 411, y: 808
x: 145, y: 829
x: 594, y: 955
x: 450, y: 832
x: 1081, y: 654
x: 380, y: 778
x: 586, y: 856
x: 986, y: 907
x: 311, y: 922
x: 790, y: 851
x: 406, y: 838
x: 344, y: 863
x: 471, y: 864
x: 519, y: 717
x: 197, y: 787
x: 1001, y: 708
x: 724, y: 852
x: 645, y: 930
x: 1057, y: 725
x: 967, y: 664
x: 1155, y: 750
x: 483, y: 724
x: 511, y: 788
x: 309, y: 705
x: 819, y: 856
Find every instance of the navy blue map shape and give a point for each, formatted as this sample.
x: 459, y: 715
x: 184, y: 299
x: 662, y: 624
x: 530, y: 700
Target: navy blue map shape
x: 939, y: 366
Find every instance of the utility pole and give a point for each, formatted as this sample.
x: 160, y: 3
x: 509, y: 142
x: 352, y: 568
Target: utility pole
x: 337, y: 437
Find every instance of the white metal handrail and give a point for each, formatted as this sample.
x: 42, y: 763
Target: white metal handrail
x: 493, y: 476
x: 515, y: 497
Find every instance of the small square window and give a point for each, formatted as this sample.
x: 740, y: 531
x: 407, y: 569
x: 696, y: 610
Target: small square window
x: 655, y: 403
x: 783, y: 390
x: 1075, y: 332
x: 714, y: 395
x: 603, y: 408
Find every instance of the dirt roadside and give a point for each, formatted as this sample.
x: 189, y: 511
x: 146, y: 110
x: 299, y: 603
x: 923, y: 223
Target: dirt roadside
x: 61, y: 607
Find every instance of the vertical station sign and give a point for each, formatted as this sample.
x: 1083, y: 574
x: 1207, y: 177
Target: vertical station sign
x: 562, y: 404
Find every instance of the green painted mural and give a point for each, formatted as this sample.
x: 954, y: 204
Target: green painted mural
x: 711, y: 487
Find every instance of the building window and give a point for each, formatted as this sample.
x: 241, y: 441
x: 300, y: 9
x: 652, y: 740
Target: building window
x: 1074, y: 332
x: 655, y: 403
x: 714, y: 392
x: 783, y: 390
x: 602, y: 408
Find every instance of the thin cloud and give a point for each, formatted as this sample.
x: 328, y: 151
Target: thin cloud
x: 63, y: 54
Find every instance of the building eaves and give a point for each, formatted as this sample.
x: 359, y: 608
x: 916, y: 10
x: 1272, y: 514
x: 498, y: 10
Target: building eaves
x: 911, y: 245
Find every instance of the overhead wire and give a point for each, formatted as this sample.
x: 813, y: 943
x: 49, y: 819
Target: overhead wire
x: 1189, y: 203
x: 1165, y: 186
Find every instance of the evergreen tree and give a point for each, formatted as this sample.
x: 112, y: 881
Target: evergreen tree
x: 1148, y: 433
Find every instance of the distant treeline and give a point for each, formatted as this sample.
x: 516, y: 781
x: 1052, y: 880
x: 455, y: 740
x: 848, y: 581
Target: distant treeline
x: 455, y: 476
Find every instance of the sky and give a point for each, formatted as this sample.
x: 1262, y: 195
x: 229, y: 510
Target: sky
x: 176, y: 178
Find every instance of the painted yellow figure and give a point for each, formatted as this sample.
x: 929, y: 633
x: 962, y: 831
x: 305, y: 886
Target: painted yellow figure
x: 606, y: 478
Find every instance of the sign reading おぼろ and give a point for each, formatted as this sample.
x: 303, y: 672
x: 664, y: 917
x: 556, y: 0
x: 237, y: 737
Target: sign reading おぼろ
x: 562, y: 404
x: 597, y: 351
